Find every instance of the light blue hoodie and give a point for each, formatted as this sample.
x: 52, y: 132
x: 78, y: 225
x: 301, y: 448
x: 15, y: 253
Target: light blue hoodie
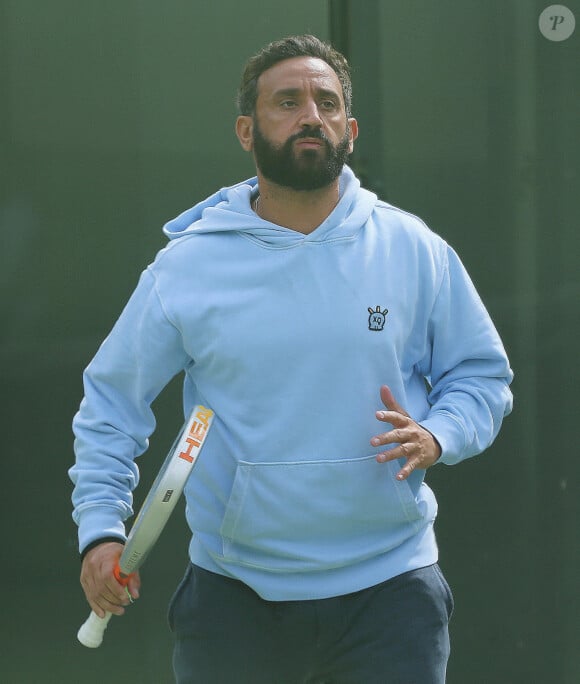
x: 288, y: 337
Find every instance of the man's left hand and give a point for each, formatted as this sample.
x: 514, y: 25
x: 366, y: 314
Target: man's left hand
x: 415, y: 444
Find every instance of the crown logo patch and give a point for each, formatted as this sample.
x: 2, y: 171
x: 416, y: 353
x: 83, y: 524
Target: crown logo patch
x: 377, y: 318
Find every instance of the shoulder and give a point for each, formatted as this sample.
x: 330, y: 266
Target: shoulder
x: 407, y: 228
x: 395, y: 217
x: 187, y: 250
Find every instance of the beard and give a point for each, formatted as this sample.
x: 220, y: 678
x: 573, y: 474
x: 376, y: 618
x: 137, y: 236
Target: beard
x: 309, y: 169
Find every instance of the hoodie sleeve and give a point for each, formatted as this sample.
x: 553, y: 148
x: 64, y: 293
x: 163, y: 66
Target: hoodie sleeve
x: 469, y: 370
x: 139, y: 357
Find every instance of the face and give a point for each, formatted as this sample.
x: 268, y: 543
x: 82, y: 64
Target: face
x: 299, y: 134
x: 306, y: 161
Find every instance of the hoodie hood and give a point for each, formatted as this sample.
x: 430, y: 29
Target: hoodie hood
x: 230, y: 209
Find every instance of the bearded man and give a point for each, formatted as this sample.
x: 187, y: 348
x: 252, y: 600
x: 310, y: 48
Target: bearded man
x: 344, y: 351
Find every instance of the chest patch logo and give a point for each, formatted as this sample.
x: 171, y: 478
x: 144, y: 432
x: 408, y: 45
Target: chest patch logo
x: 377, y: 318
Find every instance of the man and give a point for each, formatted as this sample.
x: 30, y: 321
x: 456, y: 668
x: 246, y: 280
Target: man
x: 344, y: 351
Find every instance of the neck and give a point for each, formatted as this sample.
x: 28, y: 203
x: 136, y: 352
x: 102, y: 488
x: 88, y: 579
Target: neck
x: 300, y: 210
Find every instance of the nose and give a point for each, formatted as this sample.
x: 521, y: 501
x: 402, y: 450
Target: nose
x: 310, y: 115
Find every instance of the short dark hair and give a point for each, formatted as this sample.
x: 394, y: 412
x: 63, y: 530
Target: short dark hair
x: 287, y: 48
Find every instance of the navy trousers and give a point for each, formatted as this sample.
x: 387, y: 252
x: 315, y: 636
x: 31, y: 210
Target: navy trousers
x: 393, y: 633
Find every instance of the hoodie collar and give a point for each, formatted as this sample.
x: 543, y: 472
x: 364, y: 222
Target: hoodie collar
x: 230, y: 209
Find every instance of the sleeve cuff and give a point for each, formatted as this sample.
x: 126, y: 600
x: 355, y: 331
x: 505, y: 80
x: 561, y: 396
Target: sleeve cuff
x: 98, y: 542
x: 447, y: 430
x: 100, y: 523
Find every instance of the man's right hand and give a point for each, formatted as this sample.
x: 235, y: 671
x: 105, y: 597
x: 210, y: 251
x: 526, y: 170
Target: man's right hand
x: 102, y: 590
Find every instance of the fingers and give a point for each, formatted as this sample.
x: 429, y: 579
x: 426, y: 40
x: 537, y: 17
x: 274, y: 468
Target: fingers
x: 400, y: 435
x: 109, y: 602
x: 102, y: 590
x: 390, y: 402
x: 417, y: 451
x: 408, y: 468
x: 134, y: 585
x: 410, y: 441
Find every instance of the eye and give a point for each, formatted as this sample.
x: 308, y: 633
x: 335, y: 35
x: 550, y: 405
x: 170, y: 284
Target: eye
x: 288, y: 104
x: 329, y: 105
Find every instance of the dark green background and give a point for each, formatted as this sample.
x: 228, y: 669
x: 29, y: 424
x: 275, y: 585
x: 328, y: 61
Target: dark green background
x: 117, y: 115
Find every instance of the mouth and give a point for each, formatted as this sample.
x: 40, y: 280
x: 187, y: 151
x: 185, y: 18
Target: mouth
x: 309, y: 143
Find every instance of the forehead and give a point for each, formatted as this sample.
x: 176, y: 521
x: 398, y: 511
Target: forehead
x: 299, y: 73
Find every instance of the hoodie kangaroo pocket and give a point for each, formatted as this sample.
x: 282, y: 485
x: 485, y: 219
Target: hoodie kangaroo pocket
x: 316, y: 515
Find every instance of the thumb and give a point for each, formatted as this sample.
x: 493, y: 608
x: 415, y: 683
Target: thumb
x: 388, y: 399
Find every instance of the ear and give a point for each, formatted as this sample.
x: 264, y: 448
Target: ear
x: 353, y: 133
x: 244, y: 131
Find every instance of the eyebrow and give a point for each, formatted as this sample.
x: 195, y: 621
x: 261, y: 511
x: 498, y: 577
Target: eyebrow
x: 293, y: 92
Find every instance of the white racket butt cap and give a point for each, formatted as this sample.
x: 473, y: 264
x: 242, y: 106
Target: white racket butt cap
x: 93, y: 629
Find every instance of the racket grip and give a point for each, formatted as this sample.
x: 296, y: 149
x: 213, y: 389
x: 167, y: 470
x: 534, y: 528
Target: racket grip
x: 93, y: 629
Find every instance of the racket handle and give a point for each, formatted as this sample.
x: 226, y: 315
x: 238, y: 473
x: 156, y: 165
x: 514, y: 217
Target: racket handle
x: 93, y: 629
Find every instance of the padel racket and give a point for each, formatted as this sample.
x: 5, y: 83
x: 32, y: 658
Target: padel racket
x: 155, y: 511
